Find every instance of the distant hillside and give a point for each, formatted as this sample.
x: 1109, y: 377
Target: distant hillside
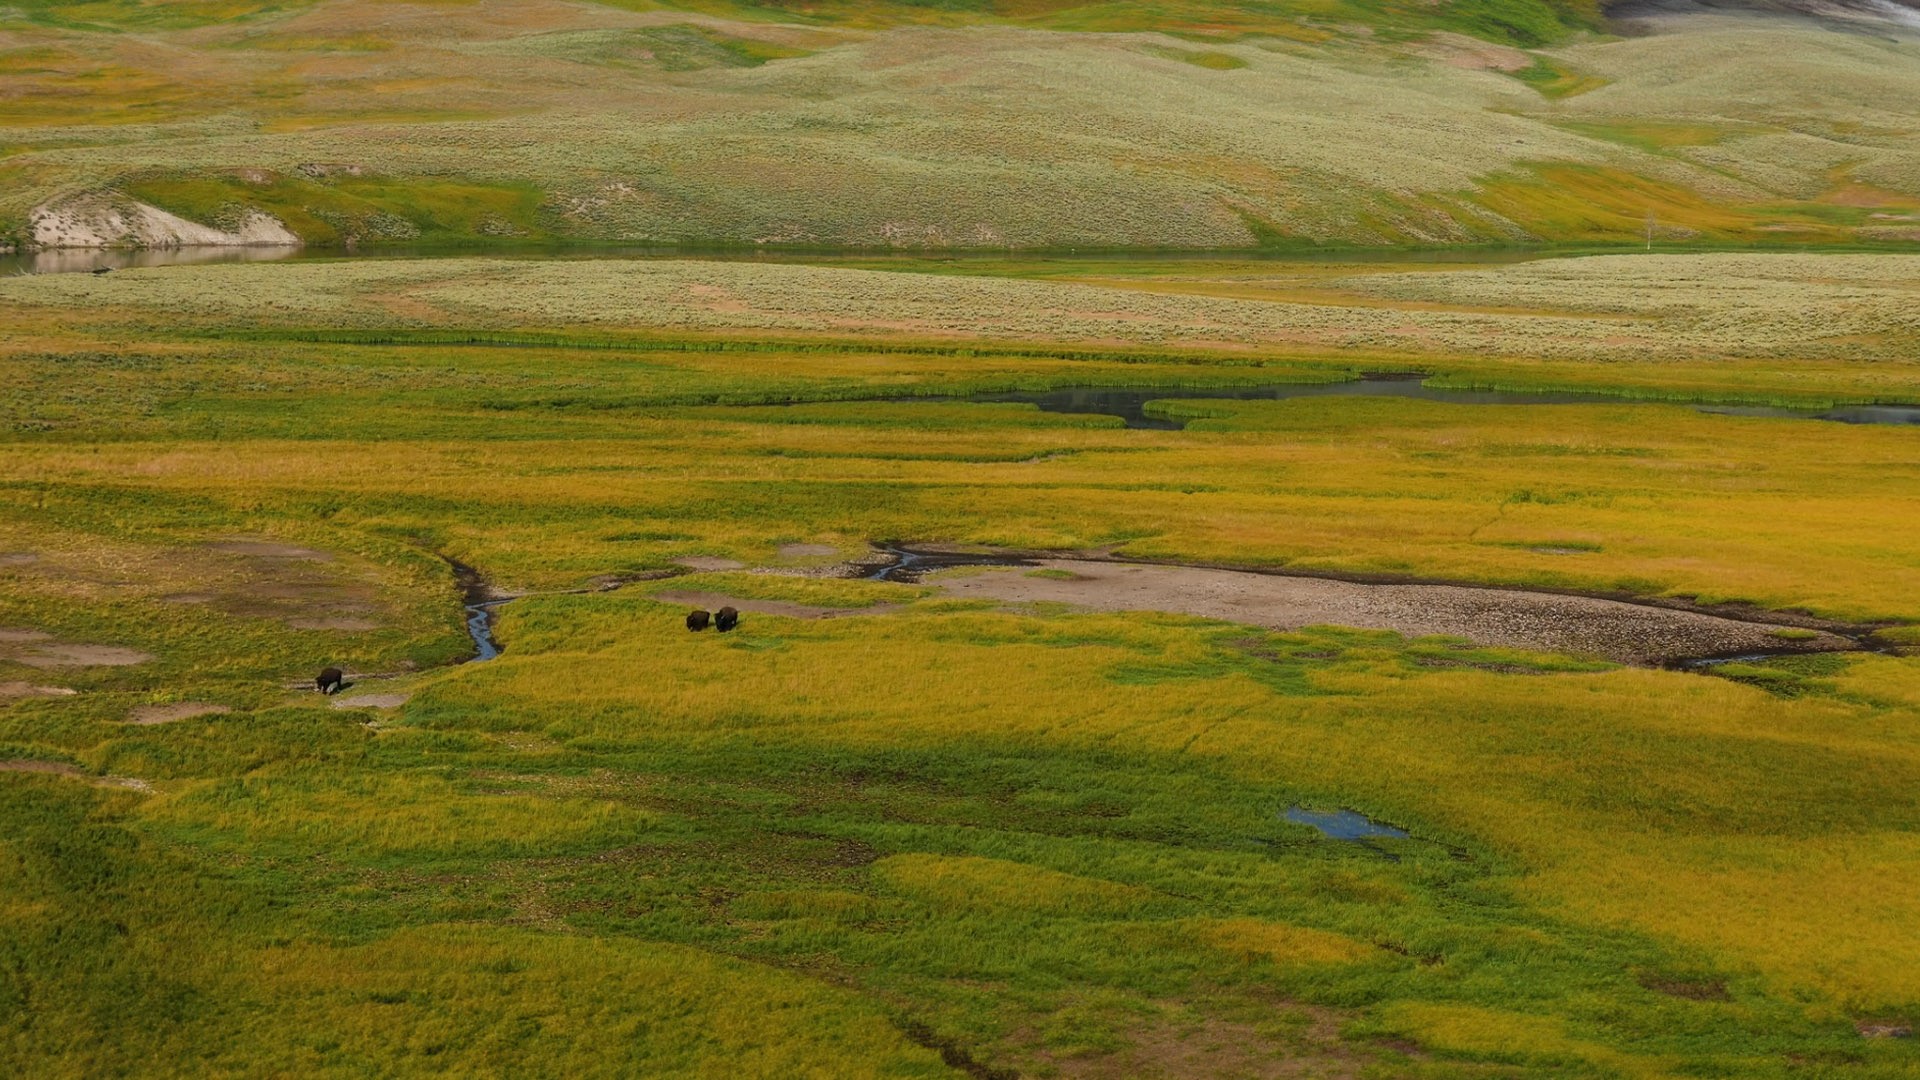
x: 953, y: 124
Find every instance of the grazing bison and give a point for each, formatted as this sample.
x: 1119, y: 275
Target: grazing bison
x: 330, y: 681
x: 697, y: 620
x: 725, y: 619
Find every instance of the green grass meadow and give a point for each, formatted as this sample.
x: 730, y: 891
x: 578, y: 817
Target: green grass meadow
x: 927, y: 836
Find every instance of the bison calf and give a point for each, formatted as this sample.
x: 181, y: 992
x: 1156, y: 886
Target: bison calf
x: 697, y: 620
x: 725, y: 619
x: 330, y: 681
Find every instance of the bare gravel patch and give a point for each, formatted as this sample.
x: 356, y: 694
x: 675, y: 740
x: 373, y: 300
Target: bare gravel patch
x: 1624, y: 632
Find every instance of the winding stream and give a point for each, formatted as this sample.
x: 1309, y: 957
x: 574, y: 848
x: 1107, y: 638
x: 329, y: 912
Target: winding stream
x: 1129, y: 403
x: 478, y: 599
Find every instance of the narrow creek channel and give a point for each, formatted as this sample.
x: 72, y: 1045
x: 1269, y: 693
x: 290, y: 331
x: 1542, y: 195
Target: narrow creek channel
x: 478, y: 599
x: 1129, y: 403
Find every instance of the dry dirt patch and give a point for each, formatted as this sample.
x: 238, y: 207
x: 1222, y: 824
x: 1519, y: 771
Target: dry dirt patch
x: 251, y: 577
x: 1628, y: 633
x: 29, y: 690
x: 37, y: 648
x: 372, y: 701
x: 1220, y: 1048
x: 179, y: 710
x: 709, y: 562
x: 712, y: 600
x: 801, y: 551
x: 67, y: 654
x: 270, y: 549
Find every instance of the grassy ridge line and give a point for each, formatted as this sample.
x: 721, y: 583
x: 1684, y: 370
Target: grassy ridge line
x: 1268, y: 365
x: 1250, y: 153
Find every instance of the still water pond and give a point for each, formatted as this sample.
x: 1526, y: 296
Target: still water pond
x: 1343, y: 824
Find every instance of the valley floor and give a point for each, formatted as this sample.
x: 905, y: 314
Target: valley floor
x: 987, y: 822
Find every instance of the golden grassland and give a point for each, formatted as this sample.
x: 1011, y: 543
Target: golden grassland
x: 1676, y: 310
x: 994, y: 126
x: 942, y: 835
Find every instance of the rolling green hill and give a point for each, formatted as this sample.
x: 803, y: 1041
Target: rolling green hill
x: 951, y: 125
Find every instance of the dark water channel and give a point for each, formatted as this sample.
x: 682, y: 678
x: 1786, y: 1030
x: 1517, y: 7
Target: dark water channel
x: 1129, y: 403
x: 480, y: 629
x: 477, y: 600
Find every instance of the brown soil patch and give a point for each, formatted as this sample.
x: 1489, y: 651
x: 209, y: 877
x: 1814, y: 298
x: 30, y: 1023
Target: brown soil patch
x: 55, y: 654
x: 250, y: 577
x: 1221, y: 1048
x: 1628, y: 633
x: 27, y: 689
x: 709, y: 562
x: 712, y: 601
x: 801, y: 551
x: 372, y: 701
x: 269, y: 549
x: 1870, y: 1029
x: 57, y: 768
x: 9, y: 637
x: 1456, y: 50
x: 179, y: 710
x: 1690, y: 989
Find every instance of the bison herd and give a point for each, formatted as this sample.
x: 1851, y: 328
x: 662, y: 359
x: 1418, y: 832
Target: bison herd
x: 332, y: 680
x: 723, y: 620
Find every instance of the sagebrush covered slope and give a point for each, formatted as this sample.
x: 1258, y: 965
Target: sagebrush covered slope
x: 1114, y: 125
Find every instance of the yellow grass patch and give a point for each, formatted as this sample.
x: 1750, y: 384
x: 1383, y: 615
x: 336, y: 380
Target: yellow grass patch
x: 1284, y: 946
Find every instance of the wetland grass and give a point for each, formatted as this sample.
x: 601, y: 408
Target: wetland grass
x: 1035, y: 839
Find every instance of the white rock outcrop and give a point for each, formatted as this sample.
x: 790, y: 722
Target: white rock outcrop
x: 115, y: 221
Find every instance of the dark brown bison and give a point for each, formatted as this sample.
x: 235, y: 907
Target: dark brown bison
x: 697, y: 620
x: 725, y: 619
x: 330, y: 681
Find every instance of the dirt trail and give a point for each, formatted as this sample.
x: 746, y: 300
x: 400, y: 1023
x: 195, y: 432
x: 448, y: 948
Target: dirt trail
x: 1625, y: 632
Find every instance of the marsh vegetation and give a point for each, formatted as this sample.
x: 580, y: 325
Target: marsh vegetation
x: 927, y: 827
